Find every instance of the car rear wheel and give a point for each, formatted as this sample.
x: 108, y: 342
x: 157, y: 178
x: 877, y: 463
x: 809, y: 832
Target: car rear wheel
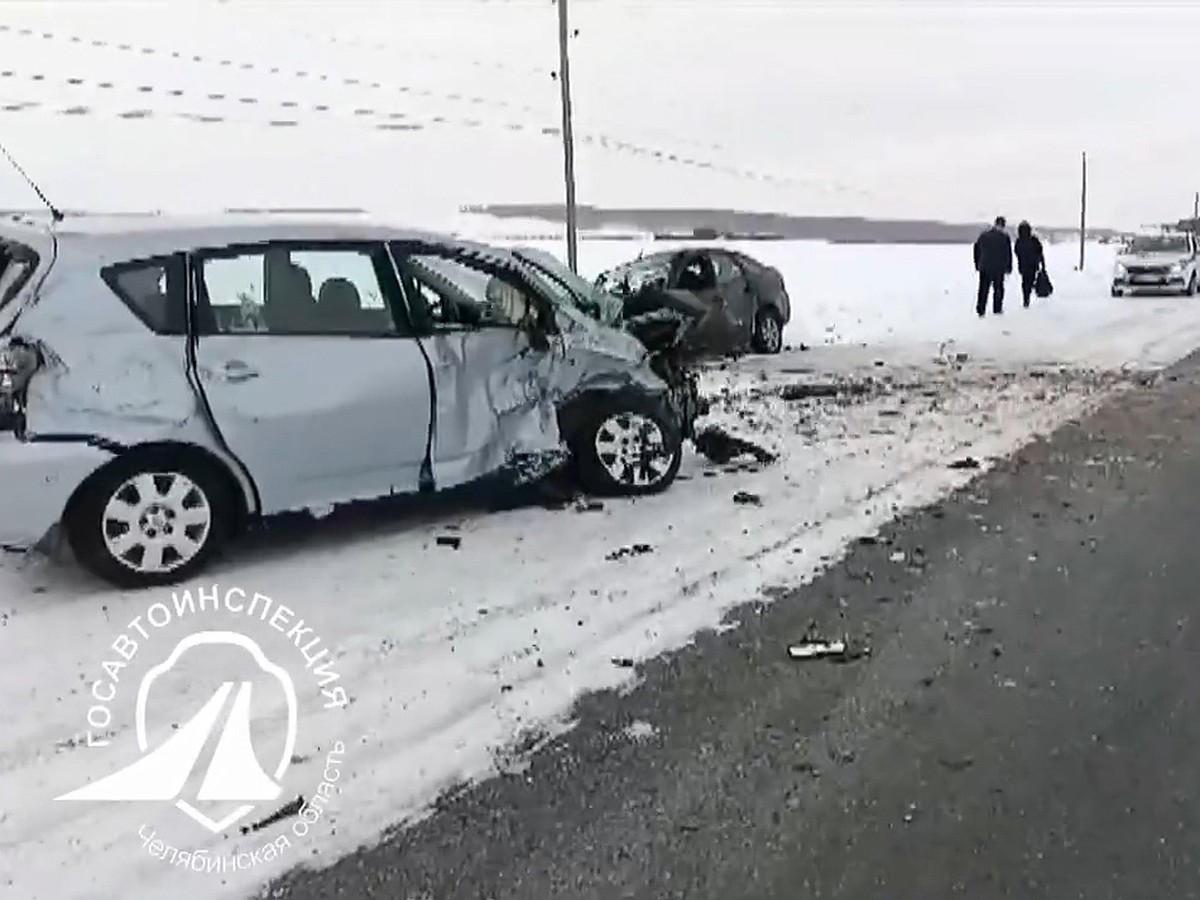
x: 627, y: 445
x: 768, y: 331
x: 1191, y: 286
x: 150, y: 518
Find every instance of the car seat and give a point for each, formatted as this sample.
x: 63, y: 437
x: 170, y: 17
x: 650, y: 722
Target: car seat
x: 339, y: 306
x: 288, y: 304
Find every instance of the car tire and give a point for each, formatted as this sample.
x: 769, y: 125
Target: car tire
x: 176, y: 508
x: 768, y: 331
x: 1117, y: 293
x: 1190, y: 290
x: 626, y: 444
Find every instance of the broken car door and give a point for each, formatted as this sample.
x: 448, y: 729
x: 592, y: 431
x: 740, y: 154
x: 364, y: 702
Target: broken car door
x: 492, y: 406
x: 735, y: 289
x: 311, y: 370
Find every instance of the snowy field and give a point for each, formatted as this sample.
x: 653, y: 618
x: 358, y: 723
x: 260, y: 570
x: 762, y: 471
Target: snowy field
x: 458, y: 660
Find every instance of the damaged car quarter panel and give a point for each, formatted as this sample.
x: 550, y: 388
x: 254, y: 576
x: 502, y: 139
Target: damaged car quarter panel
x: 102, y: 372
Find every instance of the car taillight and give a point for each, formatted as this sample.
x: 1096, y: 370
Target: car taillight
x: 17, y: 363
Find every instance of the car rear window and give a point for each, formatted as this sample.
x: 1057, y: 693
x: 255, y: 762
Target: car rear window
x: 17, y: 263
x: 154, y: 290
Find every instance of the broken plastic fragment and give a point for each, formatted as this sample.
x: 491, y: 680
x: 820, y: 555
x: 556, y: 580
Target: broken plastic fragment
x: 817, y: 649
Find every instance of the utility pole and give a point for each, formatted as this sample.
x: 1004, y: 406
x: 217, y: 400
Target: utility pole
x: 1083, y: 212
x: 568, y: 136
x: 1196, y: 211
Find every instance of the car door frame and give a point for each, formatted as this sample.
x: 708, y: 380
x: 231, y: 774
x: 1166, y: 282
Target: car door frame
x: 200, y: 325
x: 427, y: 330
x: 747, y: 299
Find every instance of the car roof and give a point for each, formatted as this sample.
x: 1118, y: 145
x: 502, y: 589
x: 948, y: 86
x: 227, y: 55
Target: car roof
x: 137, y: 236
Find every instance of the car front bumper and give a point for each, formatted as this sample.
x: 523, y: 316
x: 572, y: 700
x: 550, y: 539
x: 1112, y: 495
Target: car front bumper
x: 1167, y: 284
x: 37, y: 479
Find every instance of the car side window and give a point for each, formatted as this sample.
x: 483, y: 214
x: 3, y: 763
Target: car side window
x: 696, y: 273
x: 453, y: 295
x: 726, y: 268
x: 155, y: 290
x: 290, y: 290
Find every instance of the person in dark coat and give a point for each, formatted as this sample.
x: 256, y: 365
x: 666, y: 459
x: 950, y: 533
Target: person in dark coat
x: 1031, y: 259
x: 993, y: 262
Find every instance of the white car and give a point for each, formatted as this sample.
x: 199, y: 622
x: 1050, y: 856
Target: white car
x: 165, y: 382
x: 1163, y: 263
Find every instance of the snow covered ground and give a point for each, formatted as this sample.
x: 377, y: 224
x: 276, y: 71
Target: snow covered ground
x: 455, y: 660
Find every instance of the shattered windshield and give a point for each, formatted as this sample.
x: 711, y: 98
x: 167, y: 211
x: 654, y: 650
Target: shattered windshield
x: 1159, y: 244
x: 571, y: 289
x: 629, y: 279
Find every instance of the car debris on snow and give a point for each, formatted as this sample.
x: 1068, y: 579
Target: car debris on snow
x: 722, y: 448
x: 632, y: 550
x: 825, y: 390
x: 453, y: 541
x: 967, y: 462
x: 284, y: 812
x: 622, y: 662
x: 745, y: 498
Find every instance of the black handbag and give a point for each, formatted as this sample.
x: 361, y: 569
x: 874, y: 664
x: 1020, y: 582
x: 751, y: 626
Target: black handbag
x: 1042, y: 285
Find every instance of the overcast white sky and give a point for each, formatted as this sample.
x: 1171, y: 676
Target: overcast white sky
x: 954, y: 110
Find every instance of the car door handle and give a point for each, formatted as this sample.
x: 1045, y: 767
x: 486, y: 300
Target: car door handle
x: 236, y: 371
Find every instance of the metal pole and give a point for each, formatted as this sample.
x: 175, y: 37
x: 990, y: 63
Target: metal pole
x: 1196, y: 211
x: 1083, y: 213
x: 568, y: 136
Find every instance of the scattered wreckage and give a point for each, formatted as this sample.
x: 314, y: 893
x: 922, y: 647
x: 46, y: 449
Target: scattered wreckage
x: 747, y: 298
x: 165, y: 381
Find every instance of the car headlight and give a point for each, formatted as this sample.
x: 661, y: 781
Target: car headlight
x: 1177, y: 268
x: 1120, y: 270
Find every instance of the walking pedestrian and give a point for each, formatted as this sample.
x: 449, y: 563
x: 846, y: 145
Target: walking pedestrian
x: 1031, y: 259
x: 993, y: 262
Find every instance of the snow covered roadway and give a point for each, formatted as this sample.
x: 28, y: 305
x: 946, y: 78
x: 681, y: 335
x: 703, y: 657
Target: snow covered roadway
x: 458, y: 656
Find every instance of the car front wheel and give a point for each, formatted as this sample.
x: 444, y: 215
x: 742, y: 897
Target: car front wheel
x: 627, y: 445
x: 150, y: 518
x: 768, y: 332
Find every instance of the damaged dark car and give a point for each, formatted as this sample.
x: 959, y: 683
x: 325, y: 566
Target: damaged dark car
x: 745, y: 302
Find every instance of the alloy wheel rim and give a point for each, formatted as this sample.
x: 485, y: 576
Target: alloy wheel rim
x: 633, y: 449
x: 771, y: 335
x: 156, y: 522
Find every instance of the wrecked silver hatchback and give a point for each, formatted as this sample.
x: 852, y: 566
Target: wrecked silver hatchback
x: 165, y: 381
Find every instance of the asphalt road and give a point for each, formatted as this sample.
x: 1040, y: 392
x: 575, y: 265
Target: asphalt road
x: 1026, y: 724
